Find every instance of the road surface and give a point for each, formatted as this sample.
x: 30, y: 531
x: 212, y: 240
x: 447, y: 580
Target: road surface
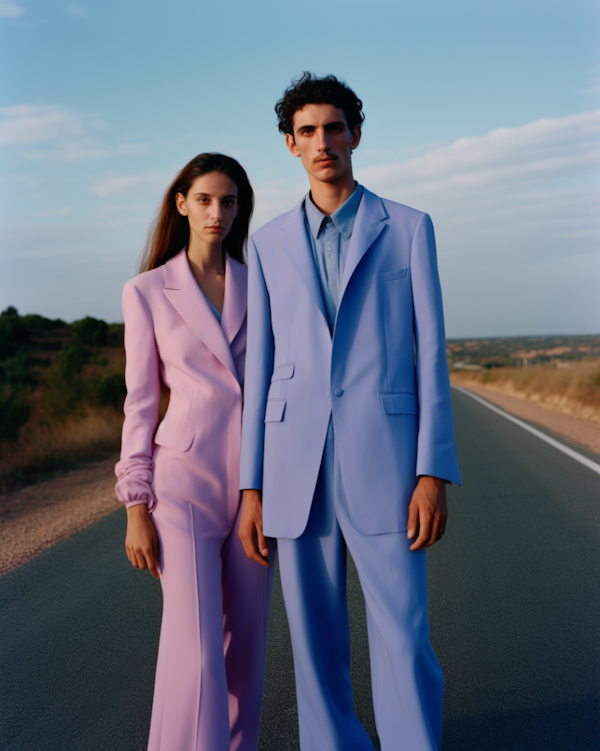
x: 514, y: 607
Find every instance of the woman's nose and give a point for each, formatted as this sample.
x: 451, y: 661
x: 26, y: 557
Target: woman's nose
x: 216, y: 210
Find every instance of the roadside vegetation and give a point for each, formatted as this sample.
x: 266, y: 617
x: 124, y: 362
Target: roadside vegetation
x: 62, y: 388
x: 571, y: 387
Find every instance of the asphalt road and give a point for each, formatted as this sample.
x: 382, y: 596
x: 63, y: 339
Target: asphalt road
x: 514, y: 609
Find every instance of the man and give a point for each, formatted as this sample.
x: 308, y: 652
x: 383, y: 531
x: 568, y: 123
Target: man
x: 348, y: 429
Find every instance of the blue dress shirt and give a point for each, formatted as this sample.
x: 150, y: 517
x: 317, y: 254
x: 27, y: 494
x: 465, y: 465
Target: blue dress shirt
x: 329, y: 237
x: 212, y: 307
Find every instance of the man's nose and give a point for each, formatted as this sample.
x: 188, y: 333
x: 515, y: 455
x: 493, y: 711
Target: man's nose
x: 322, y: 139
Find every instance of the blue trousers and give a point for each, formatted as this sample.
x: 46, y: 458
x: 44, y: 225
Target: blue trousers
x: 407, y: 680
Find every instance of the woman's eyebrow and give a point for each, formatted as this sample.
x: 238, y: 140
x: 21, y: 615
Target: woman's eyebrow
x: 209, y: 195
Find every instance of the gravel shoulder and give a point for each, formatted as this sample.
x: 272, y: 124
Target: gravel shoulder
x: 37, y: 517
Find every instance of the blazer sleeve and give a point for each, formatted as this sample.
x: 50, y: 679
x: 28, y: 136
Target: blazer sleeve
x: 259, y: 367
x: 436, y: 448
x: 134, y: 470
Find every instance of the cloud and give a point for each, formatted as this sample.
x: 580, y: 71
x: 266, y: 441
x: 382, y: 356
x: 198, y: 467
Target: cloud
x: 541, y: 150
x: 126, y: 185
x: 10, y: 10
x: 517, y: 228
x: 55, y: 133
x: 78, y: 10
x: 34, y: 124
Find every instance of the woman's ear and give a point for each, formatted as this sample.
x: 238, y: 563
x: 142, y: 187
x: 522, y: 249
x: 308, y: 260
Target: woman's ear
x: 180, y: 203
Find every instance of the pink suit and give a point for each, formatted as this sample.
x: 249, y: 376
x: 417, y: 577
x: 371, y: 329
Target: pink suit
x: 210, y: 671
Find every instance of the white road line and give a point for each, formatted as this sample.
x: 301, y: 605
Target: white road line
x: 594, y: 466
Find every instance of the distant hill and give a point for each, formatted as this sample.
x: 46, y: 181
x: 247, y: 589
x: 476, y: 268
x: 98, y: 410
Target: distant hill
x: 521, y: 350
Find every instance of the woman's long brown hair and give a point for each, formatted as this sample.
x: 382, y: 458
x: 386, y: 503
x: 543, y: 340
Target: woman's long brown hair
x: 170, y: 231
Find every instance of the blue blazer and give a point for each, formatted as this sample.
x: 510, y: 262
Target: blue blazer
x: 383, y: 375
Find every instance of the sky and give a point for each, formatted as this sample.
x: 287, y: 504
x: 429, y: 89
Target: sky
x: 485, y: 114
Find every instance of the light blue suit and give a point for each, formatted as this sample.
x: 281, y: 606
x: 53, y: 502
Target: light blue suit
x: 380, y: 386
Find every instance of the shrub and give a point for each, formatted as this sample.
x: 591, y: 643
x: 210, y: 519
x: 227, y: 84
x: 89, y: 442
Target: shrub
x: 116, y: 333
x: 35, y: 322
x: 66, y: 388
x: 90, y: 331
x: 488, y: 377
x: 110, y: 391
x: 13, y: 331
x: 16, y: 371
x: 14, y: 413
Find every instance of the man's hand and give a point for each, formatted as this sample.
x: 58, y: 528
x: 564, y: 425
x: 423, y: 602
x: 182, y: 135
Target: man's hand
x: 141, y: 542
x: 251, y: 528
x: 427, y: 512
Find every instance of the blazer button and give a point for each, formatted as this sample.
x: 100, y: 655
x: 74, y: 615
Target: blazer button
x: 338, y: 392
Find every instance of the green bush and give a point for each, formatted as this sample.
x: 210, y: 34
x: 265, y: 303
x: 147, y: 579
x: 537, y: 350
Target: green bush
x: 16, y: 370
x: 35, y: 322
x: 66, y: 388
x: 116, y: 333
x: 13, y: 331
x: 90, y: 331
x: 110, y: 390
x: 14, y: 413
x: 488, y: 377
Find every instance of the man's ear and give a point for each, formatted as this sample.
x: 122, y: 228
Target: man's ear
x: 355, y: 137
x: 291, y: 144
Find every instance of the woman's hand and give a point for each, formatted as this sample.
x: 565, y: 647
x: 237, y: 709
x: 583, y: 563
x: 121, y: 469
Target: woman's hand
x: 251, y: 529
x: 141, y: 542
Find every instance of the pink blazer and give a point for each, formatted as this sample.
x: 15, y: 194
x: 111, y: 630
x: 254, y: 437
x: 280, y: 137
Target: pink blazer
x: 193, y: 455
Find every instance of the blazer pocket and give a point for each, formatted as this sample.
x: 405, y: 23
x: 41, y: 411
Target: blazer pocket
x: 174, y: 435
x: 389, y: 276
x: 401, y: 403
x: 283, y: 372
x: 274, y: 411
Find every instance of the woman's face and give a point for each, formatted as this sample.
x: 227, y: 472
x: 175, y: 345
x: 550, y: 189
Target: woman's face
x: 211, y: 206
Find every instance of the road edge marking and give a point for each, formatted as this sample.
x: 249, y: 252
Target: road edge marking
x: 594, y: 466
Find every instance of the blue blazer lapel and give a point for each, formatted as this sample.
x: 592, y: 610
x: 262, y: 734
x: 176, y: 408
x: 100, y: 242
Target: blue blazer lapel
x: 183, y: 292
x: 368, y: 226
x: 297, y: 246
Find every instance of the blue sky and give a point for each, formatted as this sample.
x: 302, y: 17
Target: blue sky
x: 484, y: 114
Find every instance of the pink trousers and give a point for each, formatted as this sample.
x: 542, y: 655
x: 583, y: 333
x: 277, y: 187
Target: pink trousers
x: 213, y: 639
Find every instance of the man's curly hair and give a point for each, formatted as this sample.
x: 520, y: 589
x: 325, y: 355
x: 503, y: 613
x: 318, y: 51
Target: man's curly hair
x: 309, y: 89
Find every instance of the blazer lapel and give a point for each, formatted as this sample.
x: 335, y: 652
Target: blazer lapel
x: 297, y: 246
x: 183, y: 292
x: 368, y: 226
x: 234, y: 305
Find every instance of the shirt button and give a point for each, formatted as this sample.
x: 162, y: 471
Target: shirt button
x: 328, y: 248
x: 338, y: 392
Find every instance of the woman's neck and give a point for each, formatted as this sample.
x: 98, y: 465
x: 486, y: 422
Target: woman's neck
x: 206, y: 260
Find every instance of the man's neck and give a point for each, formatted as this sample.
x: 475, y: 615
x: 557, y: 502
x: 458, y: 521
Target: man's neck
x: 328, y: 197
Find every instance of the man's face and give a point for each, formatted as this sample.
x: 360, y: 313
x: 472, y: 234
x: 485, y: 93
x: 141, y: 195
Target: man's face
x: 323, y: 141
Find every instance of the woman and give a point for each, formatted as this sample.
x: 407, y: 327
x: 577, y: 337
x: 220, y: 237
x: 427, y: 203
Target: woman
x: 185, y: 323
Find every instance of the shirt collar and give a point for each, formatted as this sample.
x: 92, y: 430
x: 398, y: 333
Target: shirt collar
x: 343, y: 218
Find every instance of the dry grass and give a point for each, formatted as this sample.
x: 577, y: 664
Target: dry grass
x: 42, y: 448
x: 574, y: 390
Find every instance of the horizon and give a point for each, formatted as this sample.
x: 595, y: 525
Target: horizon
x: 448, y: 338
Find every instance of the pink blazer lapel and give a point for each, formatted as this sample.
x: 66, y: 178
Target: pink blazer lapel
x: 234, y: 306
x: 183, y: 292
